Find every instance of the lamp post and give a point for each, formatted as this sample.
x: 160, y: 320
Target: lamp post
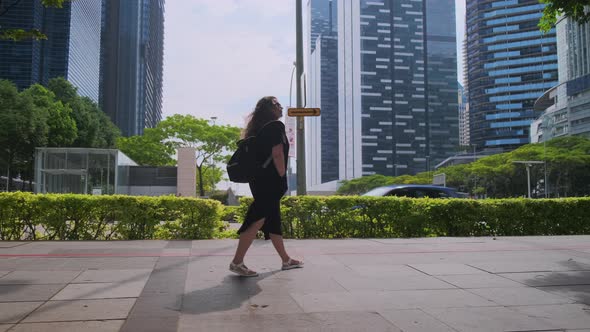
x: 528, y: 164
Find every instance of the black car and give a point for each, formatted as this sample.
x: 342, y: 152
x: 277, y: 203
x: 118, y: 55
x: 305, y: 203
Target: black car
x: 415, y: 191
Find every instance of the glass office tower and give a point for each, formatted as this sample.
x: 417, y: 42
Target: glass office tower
x: 397, y: 84
x: 510, y: 64
x: 72, y: 48
x: 132, y: 63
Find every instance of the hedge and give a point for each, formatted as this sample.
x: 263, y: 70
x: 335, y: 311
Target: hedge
x: 305, y: 217
x: 26, y: 216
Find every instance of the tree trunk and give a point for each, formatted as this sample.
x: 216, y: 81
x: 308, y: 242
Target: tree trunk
x: 201, y: 187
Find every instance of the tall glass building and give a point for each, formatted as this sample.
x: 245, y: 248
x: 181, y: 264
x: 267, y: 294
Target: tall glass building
x: 323, y: 45
x: 397, y: 85
x: 510, y: 64
x: 132, y: 63
x: 72, y: 48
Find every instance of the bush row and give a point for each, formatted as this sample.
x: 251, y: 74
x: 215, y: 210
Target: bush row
x: 390, y: 217
x: 82, y: 217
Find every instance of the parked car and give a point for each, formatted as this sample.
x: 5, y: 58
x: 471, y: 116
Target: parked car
x: 416, y: 191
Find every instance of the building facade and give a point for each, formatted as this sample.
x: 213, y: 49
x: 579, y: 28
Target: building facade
x: 397, y: 85
x: 463, y: 116
x: 566, y: 107
x: 132, y: 63
x: 72, y: 48
x: 510, y: 63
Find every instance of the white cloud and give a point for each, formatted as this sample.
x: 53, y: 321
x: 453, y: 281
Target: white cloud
x: 219, y: 59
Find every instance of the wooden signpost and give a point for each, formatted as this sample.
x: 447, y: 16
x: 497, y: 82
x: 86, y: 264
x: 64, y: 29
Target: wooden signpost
x: 303, y: 112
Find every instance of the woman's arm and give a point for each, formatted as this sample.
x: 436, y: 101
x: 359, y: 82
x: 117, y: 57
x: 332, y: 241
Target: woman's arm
x: 278, y: 158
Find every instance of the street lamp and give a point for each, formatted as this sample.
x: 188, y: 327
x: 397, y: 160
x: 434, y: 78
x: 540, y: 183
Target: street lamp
x: 528, y: 164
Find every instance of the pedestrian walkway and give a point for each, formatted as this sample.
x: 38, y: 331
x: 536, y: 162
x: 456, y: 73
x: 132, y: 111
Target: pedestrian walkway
x: 433, y: 284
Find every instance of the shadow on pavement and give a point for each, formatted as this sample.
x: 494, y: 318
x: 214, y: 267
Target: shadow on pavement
x: 231, y: 293
x: 573, y: 284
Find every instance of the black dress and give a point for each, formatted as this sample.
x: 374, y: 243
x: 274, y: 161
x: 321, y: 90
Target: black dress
x: 268, y: 187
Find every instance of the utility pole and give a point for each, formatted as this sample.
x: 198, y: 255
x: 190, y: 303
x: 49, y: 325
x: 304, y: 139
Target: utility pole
x: 301, y: 179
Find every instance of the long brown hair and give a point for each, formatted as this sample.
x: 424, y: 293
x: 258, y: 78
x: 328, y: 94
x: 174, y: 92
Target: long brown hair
x: 262, y: 114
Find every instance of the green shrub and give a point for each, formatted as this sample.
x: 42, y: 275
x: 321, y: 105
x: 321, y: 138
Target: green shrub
x: 229, y: 213
x: 83, y: 217
x: 306, y: 217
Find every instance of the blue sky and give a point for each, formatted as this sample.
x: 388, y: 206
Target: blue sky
x: 220, y: 56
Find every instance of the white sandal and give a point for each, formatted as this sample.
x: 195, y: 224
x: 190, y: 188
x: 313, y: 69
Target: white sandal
x: 242, y: 270
x: 292, y: 264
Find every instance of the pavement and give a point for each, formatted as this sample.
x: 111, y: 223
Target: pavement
x: 431, y: 284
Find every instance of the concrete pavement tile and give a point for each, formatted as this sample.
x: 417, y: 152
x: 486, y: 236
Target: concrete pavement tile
x: 11, y: 244
x: 488, y: 319
x: 563, y: 316
x: 164, y: 306
x: 352, y: 282
x: 62, y: 311
x: 12, y: 312
x: 519, y: 296
x: 532, y: 266
x: 113, y: 275
x: 86, y: 326
x: 3, y: 273
x: 479, y: 281
x: 100, y: 291
x: 271, y: 303
x: 385, y: 270
x: 333, y: 321
x: 27, y: 293
x: 579, y: 293
x: 111, y: 263
x: 151, y: 324
x: 5, y: 327
x: 200, y: 303
x: 383, y: 300
x: 302, y: 284
x: 446, y: 269
x: 414, y: 320
x: 536, y: 279
x: 39, y: 277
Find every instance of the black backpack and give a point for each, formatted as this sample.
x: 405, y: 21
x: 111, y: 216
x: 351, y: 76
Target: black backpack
x: 242, y: 165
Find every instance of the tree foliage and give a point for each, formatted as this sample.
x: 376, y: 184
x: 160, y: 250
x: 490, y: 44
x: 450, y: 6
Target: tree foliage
x: 575, y: 9
x: 568, y: 172
x: 210, y: 141
x: 55, y: 117
x: 148, y: 149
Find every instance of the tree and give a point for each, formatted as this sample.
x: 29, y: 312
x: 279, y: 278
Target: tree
x: 575, y: 9
x: 23, y: 127
x: 95, y: 129
x: 62, y: 130
x: 148, y: 149
x: 21, y: 34
x: 210, y: 141
x: 212, y: 174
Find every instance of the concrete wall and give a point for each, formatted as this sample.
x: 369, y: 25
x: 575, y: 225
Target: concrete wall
x: 187, y: 172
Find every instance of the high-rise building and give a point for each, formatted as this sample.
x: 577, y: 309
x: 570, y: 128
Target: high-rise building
x: 132, y: 63
x: 463, y: 117
x: 397, y: 84
x: 510, y: 64
x: 566, y: 107
x: 71, y: 50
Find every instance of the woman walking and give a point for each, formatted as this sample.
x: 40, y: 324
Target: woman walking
x: 268, y: 186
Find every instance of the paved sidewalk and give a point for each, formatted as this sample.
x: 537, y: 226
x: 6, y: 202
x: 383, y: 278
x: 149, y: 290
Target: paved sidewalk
x: 435, y: 284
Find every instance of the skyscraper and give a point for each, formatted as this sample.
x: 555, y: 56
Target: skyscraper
x: 132, y: 63
x: 71, y: 50
x: 463, y: 117
x: 397, y: 85
x: 510, y: 64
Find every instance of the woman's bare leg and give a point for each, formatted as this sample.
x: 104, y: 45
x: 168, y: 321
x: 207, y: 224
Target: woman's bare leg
x: 246, y: 239
x: 277, y: 242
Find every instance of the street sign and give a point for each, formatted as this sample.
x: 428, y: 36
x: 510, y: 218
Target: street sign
x: 303, y: 111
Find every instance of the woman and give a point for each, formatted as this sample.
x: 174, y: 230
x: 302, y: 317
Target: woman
x: 268, y: 186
